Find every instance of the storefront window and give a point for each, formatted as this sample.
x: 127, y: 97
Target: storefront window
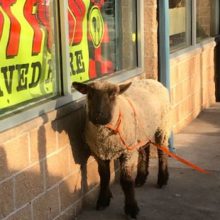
x: 207, y: 15
x: 27, y: 72
x: 180, y: 24
x: 102, y: 37
x: 34, y: 39
x: 187, y: 29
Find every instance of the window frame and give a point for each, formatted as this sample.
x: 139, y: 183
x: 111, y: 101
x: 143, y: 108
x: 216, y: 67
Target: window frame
x: 188, y: 39
x: 217, y: 17
x: 68, y: 95
x: 192, y: 18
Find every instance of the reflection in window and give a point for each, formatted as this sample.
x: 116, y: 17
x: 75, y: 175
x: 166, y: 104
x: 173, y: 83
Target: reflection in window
x: 127, y: 34
x: 27, y: 53
x: 206, y: 15
x: 180, y: 31
x: 102, y: 37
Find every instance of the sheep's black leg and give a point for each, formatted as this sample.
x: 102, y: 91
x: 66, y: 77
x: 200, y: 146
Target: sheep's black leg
x: 127, y: 184
x: 105, y: 194
x: 143, y: 163
x: 163, y: 175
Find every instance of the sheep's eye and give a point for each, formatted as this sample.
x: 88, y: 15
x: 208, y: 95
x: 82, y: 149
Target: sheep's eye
x: 112, y: 95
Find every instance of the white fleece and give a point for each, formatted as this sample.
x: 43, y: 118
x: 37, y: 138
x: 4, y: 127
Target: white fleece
x: 150, y: 100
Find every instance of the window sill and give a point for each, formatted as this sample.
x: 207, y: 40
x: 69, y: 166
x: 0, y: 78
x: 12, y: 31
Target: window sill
x: 75, y: 99
x: 193, y: 49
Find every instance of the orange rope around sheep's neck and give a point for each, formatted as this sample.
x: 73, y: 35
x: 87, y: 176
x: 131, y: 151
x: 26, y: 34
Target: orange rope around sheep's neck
x: 117, y: 130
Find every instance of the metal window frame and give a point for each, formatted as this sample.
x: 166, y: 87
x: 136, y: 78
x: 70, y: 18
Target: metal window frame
x: 67, y: 95
x: 194, y: 26
x: 190, y: 33
x: 164, y: 45
x: 189, y: 19
x: 193, y: 19
x: 217, y: 17
x: 164, y: 53
x: 216, y: 8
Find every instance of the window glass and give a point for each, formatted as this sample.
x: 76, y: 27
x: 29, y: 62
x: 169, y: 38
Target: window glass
x: 207, y: 15
x: 26, y: 52
x: 102, y: 37
x: 180, y: 27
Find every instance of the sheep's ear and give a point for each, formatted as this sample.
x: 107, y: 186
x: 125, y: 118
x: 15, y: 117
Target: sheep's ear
x: 124, y: 87
x: 80, y: 87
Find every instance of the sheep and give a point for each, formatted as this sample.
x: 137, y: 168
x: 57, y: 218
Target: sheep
x: 140, y: 111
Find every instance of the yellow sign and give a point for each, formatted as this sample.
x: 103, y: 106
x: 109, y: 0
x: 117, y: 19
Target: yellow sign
x: 96, y: 26
x: 25, y: 52
x: 26, y: 45
x: 86, y: 33
x: 79, y: 51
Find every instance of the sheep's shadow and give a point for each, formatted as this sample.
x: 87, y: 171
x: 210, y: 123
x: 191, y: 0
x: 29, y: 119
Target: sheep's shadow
x: 71, y: 123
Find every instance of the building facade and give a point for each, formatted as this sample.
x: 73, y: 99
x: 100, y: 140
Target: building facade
x: 46, y: 172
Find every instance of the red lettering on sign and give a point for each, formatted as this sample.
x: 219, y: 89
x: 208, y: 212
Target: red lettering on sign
x: 98, y: 3
x: 33, y: 21
x: 78, y: 9
x: 15, y: 29
x: 1, y: 24
x: 43, y: 15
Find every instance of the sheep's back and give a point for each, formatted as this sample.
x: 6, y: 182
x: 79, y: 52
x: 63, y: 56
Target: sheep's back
x: 151, y: 103
x: 144, y: 108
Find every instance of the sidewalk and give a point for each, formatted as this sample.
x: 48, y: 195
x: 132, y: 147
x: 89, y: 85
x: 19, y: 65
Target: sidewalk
x: 189, y: 195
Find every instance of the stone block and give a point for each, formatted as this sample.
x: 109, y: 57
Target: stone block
x: 43, y: 141
x: 22, y: 214
x: 70, y: 190
x: 47, y: 205
x: 14, y: 156
x: 57, y: 167
x: 29, y: 184
x: 6, y: 198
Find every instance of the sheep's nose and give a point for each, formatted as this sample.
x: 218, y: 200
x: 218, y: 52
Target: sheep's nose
x: 99, y: 115
x: 100, y: 118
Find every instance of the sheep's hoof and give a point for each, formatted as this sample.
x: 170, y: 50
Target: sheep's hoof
x: 162, y: 179
x: 103, y: 201
x: 132, y: 210
x: 140, y: 180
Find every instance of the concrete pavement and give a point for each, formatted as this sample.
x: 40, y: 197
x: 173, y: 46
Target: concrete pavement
x: 189, y: 195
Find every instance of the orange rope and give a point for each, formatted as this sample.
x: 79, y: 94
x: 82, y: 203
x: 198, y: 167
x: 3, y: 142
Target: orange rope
x: 116, y: 129
x: 186, y: 162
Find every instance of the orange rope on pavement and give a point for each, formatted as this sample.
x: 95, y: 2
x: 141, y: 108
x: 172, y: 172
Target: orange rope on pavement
x: 182, y: 160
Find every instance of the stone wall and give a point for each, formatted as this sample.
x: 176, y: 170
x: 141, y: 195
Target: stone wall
x: 45, y: 169
x: 151, y: 40
x: 46, y: 172
x: 192, y: 84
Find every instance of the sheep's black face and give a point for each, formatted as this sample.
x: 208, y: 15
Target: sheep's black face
x: 101, y: 99
x: 101, y: 105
